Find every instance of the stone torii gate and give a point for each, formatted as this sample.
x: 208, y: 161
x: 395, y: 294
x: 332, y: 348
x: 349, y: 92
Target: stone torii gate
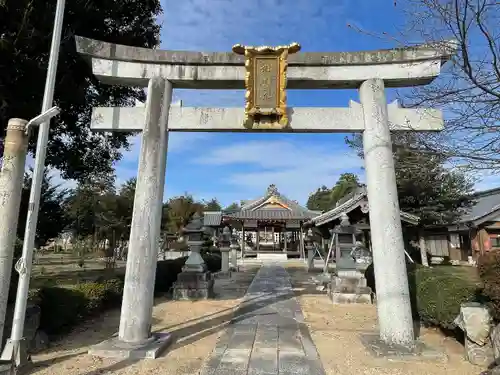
x: 161, y: 71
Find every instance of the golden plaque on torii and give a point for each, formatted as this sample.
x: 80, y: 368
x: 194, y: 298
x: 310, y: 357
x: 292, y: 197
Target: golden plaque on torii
x: 265, y: 83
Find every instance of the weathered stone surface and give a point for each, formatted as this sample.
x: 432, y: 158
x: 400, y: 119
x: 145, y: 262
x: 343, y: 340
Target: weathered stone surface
x: 475, y: 320
x: 267, y: 336
x: 495, y: 342
x: 194, y: 286
x: 348, y: 298
x: 346, y: 290
x: 194, y: 277
x: 142, y: 254
x: 394, y: 312
x: 480, y: 355
x: 115, y: 348
x: 223, y: 275
x: 418, y: 351
x: 301, y: 119
x: 97, y: 48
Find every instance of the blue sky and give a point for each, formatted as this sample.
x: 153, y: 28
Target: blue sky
x: 232, y: 167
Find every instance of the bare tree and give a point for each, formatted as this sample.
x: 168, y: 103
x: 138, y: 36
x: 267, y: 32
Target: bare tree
x: 468, y: 91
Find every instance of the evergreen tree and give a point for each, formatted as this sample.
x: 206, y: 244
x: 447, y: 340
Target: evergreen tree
x: 212, y: 205
x: 25, y: 37
x: 51, y: 216
x: 325, y: 199
x: 426, y: 188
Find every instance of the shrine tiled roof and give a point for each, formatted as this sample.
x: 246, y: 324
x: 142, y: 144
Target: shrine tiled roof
x: 272, y: 192
x: 271, y: 206
x: 351, y: 202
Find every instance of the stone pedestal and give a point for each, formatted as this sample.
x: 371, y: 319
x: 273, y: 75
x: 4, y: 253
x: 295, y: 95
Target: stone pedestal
x: 349, y: 285
x: 193, y: 285
x: 350, y: 290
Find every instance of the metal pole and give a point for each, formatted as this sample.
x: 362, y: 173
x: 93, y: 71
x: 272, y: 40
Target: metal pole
x: 11, y: 187
x: 12, y: 349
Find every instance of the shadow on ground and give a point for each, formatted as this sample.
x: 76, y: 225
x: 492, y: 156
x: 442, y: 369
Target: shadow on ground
x: 197, y: 328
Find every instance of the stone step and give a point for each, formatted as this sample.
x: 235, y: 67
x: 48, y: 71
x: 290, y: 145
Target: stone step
x: 272, y: 256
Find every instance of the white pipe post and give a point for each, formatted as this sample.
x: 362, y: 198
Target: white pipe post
x: 25, y: 262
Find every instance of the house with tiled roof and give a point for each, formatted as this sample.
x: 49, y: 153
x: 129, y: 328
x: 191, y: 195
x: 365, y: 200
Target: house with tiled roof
x: 478, y: 229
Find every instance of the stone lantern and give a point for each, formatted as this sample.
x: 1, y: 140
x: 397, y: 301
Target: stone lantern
x: 194, y: 282
x: 234, y: 249
x: 225, y: 248
x: 349, y: 285
x: 194, y: 233
x: 309, y: 246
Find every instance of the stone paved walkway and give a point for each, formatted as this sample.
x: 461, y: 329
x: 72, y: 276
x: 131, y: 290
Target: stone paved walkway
x: 267, y: 336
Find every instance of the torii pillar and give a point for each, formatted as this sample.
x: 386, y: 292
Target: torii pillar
x: 135, y: 339
x: 393, y: 297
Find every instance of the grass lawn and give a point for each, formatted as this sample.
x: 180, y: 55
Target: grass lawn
x: 62, y: 269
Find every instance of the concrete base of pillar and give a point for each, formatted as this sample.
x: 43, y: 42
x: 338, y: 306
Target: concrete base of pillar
x: 418, y: 351
x: 191, y: 286
x: 346, y: 290
x: 9, y: 368
x: 115, y: 348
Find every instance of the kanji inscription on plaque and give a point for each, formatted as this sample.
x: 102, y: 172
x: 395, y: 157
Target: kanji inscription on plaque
x: 265, y: 83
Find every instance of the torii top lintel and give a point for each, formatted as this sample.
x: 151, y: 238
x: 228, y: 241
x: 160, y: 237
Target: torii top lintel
x: 399, y: 67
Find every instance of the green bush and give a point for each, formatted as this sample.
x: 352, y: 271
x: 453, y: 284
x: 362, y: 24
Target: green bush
x: 489, y: 272
x: 213, y: 262
x: 167, y: 271
x: 436, y: 293
x: 63, y: 308
x: 166, y: 274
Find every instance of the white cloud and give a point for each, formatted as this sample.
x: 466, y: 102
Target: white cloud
x: 296, y: 168
x: 177, y: 142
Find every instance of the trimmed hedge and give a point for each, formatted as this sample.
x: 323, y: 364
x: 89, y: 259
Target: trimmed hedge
x: 489, y: 272
x: 436, y: 293
x: 63, y: 308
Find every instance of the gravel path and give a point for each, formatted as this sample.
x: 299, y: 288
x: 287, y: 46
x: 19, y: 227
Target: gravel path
x: 335, y: 330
